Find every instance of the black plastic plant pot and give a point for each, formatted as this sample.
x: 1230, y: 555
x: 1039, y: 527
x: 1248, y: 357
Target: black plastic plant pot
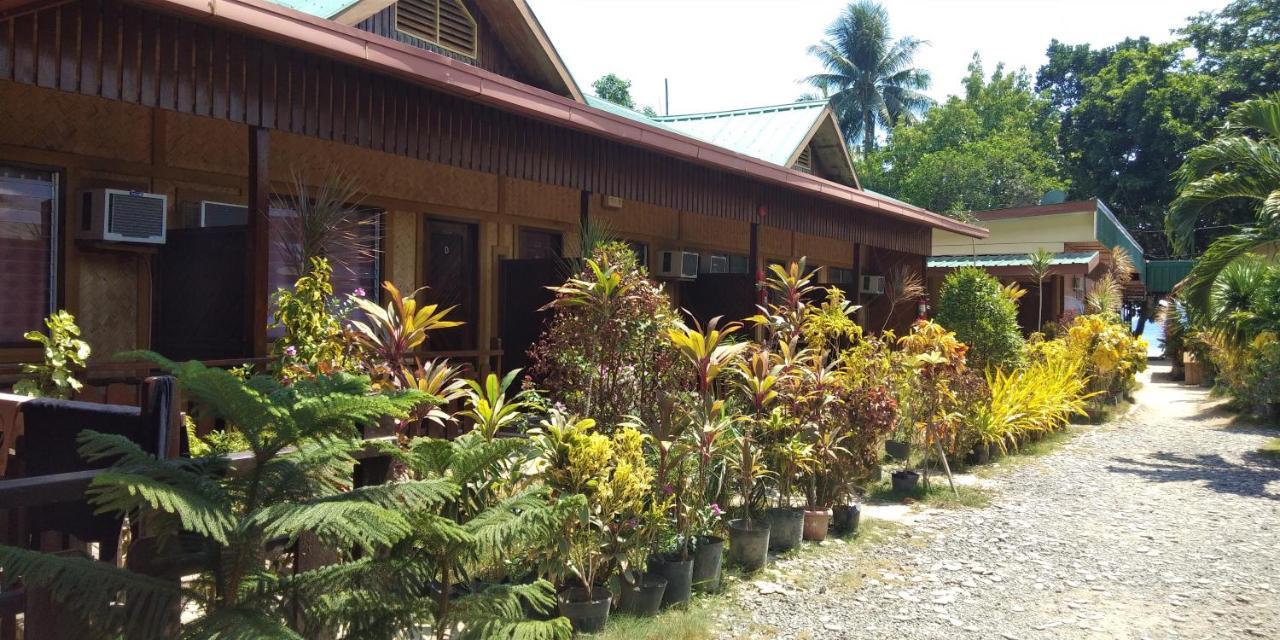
x: 749, y: 543
x: 643, y: 597
x: 845, y: 518
x: 898, y: 449
x: 786, y: 527
x: 905, y: 481
x: 679, y: 575
x: 707, y: 560
x: 587, y: 611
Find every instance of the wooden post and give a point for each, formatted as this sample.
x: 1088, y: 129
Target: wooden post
x: 857, y: 284
x: 259, y: 240
x: 584, y: 222
x: 753, y: 258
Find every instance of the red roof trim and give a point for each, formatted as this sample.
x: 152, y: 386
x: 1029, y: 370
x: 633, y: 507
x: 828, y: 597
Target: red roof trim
x: 440, y: 72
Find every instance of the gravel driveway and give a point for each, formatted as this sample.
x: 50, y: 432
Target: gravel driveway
x: 1164, y: 523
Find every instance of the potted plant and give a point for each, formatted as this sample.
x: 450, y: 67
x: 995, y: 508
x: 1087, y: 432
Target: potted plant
x: 709, y: 356
x: 613, y: 477
x: 640, y: 592
x: 748, y: 537
x: 791, y: 455
x: 823, y: 475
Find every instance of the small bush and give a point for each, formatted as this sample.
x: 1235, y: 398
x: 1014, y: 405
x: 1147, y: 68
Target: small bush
x: 973, y: 305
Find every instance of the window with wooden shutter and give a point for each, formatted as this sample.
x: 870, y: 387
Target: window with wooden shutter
x: 28, y: 243
x: 446, y: 23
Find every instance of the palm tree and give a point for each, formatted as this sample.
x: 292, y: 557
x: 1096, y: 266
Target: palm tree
x: 1040, y: 263
x: 870, y: 77
x: 1243, y: 163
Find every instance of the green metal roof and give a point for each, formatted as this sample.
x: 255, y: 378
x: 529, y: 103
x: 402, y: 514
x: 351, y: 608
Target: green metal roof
x: 769, y: 133
x: 1008, y: 260
x: 1162, y: 275
x: 630, y: 114
x: 1109, y: 232
x: 322, y: 8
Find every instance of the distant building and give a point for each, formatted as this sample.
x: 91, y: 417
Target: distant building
x: 1081, y: 234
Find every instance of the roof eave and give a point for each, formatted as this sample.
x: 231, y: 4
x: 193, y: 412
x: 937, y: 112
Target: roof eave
x: 445, y: 74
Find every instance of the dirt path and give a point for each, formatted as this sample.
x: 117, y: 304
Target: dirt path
x: 1164, y: 523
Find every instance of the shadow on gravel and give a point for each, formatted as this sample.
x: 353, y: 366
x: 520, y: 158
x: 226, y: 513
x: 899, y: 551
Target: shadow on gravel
x: 1249, y: 479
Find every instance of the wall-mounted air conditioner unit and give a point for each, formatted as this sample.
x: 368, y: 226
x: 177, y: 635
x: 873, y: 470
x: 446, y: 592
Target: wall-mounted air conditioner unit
x: 677, y: 264
x: 117, y: 215
x: 1077, y: 283
x: 872, y: 284
x: 207, y: 213
x: 715, y: 264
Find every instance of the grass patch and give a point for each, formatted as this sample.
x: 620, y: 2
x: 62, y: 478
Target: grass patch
x: 938, y: 494
x: 1027, y: 452
x: 1271, y: 449
x: 692, y: 623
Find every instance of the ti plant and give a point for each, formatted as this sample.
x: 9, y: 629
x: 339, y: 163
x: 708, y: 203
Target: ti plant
x: 239, y: 530
x: 65, y: 355
x: 389, y: 335
x: 757, y: 378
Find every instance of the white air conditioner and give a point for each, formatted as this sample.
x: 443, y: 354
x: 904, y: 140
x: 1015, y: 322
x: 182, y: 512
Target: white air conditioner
x: 872, y: 284
x: 208, y: 213
x: 122, y: 216
x: 677, y: 264
x: 715, y: 264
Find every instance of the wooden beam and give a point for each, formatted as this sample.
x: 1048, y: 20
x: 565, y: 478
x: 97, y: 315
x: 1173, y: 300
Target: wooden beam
x: 259, y: 239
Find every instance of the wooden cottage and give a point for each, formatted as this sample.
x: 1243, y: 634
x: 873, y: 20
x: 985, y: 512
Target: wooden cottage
x: 145, y: 144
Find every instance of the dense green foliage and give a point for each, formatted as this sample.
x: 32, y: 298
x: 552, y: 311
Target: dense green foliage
x: 617, y: 90
x: 65, y: 355
x: 1112, y: 122
x: 974, y: 305
x: 869, y: 78
x: 1238, y: 169
x: 1129, y: 112
x: 994, y: 147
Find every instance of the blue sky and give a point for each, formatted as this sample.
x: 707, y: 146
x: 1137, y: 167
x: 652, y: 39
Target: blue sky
x: 723, y: 54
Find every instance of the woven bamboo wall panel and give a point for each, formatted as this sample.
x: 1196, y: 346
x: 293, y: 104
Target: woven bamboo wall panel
x: 533, y: 200
x: 116, y: 51
x: 65, y: 122
x: 824, y: 251
x: 717, y: 232
x: 109, y: 300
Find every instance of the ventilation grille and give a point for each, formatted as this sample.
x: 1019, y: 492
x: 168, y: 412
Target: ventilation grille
x: 805, y: 161
x: 446, y: 23
x: 135, y: 216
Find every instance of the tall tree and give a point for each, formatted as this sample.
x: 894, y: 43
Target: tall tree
x: 1129, y: 112
x: 617, y: 90
x: 868, y: 74
x: 1240, y: 45
x: 1241, y: 165
x: 994, y: 147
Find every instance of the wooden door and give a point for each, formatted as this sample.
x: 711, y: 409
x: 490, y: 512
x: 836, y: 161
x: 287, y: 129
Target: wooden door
x: 199, y: 284
x: 452, y: 278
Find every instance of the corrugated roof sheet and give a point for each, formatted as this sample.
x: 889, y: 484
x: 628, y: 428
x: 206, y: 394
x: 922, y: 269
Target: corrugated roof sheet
x: 770, y: 133
x: 1162, y: 275
x: 319, y: 8
x: 1007, y: 260
x: 631, y: 114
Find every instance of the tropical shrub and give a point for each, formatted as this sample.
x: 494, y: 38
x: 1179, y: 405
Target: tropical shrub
x: 65, y: 355
x: 388, y: 336
x: 1041, y: 397
x: 613, y: 478
x: 302, y: 440
x: 605, y: 352
x: 974, y: 306
x: 933, y: 368
x: 314, y: 340
x: 1110, y: 355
